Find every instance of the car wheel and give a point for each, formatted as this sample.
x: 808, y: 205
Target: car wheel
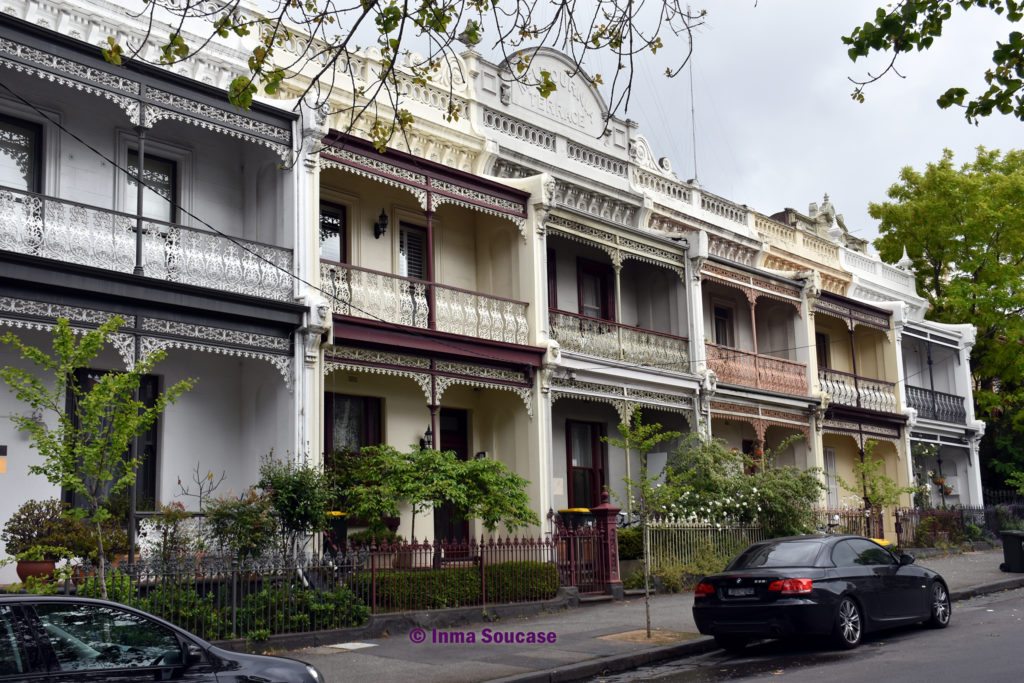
x: 849, y: 626
x: 731, y: 643
x: 941, y: 609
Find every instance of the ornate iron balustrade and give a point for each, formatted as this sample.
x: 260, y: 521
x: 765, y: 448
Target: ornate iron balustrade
x: 399, y: 300
x: 755, y: 370
x: 861, y: 392
x: 935, y: 405
x: 606, y: 339
x: 66, y: 231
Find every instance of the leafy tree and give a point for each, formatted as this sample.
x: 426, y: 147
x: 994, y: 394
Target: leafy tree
x: 300, y: 494
x: 963, y: 228
x: 86, y: 451
x: 870, y: 481
x: 321, y: 37
x: 650, y: 494
x: 496, y: 495
x: 375, y: 481
x: 1016, y: 480
x: 915, y: 25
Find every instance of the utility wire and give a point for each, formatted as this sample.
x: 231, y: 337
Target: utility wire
x: 737, y: 353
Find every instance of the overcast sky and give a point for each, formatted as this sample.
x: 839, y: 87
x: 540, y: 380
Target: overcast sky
x: 776, y: 126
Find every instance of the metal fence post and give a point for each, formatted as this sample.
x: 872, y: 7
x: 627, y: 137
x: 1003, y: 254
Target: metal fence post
x: 373, y: 581
x: 234, y: 597
x: 483, y: 577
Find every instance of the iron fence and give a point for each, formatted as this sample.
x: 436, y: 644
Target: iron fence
x: 929, y: 527
x: 849, y: 521
x: 219, y: 598
x: 674, y: 542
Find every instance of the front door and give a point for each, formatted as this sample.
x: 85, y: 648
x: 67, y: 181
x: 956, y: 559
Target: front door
x: 449, y: 522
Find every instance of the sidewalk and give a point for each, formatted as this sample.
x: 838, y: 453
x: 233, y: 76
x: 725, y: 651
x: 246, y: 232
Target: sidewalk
x: 588, y: 639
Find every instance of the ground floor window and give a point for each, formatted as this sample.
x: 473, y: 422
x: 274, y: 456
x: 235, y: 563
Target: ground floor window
x: 351, y: 422
x: 586, y: 456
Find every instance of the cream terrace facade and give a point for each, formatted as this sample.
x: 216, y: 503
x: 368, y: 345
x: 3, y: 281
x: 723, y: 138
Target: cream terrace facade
x: 510, y: 284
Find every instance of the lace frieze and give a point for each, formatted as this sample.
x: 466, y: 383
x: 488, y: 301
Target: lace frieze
x: 217, y: 335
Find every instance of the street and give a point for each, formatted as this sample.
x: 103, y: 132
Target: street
x: 984, y: 642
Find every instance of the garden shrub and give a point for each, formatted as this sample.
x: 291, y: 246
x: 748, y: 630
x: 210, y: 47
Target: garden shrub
x: 294, y: 609
x: 119, y: 587
x: 939, y: 529
x: 631, y: 544
x: 420, y: 589
x: 521, y: 581
x: 399, y: 591
x: 180, y: 603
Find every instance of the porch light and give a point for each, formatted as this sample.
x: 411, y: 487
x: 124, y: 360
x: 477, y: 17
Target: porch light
x: 381, y: 226
x: 428, y: 439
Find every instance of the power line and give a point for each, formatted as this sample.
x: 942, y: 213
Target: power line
x: 737, y: 353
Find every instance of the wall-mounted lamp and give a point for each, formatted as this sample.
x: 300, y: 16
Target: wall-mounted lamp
x: 428, y: 439
x: 381, y: 226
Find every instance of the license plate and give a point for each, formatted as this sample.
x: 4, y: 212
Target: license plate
x: 740, y: 592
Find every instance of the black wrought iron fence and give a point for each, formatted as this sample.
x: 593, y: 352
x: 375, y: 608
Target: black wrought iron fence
x: 219, y: 598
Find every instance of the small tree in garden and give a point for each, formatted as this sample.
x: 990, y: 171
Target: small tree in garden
x: 870, y: 481
x: 649, y: 493
x: 300, y: 494
x: 496, y: 495
x: 374, y: 482
x: 86, y: 450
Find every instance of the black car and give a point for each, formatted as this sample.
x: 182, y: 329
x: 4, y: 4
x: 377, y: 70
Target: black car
x: 837, y: 586
x: 65, y: 640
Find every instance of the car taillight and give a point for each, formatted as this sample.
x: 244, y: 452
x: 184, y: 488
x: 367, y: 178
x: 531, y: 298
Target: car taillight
x: 791, y: 586
x: 703, y: 589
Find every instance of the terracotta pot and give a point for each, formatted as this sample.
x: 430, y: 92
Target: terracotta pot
x: 41, y: 569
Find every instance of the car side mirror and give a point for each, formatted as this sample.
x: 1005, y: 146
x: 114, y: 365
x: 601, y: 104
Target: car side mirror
x: 193, y: 654
x: 906, y: 558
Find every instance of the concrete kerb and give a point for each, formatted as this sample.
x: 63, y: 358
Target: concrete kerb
x: 381, y: 625
x: 613, y: 663
x: 632, y: 660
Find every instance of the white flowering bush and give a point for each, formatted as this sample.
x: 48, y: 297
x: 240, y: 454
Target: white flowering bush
x: 711, y: 486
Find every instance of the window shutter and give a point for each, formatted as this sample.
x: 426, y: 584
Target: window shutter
x: 413, y: 251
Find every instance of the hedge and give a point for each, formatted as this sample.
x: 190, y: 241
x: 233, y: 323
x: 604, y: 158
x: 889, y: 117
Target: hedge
x: 398, y: 591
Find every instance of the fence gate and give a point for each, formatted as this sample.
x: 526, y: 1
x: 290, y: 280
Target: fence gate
x: 580, y: 556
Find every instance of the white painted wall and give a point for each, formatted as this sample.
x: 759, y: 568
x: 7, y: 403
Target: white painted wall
x: 234, y: 186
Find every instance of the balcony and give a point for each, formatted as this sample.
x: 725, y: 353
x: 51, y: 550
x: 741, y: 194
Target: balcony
x: 606, y: 339
x: 935, y: 405
x: 856, y: 391
x: 734, y: 366
x: 51, y: 228
x: 384, y: 297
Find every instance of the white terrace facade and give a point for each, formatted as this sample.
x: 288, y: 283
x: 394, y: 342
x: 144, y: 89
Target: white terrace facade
x: 511, y: 284
x: 204, y: 271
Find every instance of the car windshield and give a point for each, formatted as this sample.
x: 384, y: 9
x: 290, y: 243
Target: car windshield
x: 787, y: 554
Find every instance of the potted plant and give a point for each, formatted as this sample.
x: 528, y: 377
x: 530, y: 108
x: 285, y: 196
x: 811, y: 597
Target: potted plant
x: 39, y: 534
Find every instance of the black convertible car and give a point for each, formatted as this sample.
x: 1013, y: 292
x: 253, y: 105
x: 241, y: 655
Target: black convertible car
x: 837, y: 586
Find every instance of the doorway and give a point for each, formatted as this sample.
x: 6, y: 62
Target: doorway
x: 450, y: 523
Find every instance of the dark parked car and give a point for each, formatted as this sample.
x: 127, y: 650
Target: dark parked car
x: 837, y: 586
x: 66, y: 640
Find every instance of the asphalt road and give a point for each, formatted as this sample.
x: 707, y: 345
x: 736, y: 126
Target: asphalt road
x: 984, y: 642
